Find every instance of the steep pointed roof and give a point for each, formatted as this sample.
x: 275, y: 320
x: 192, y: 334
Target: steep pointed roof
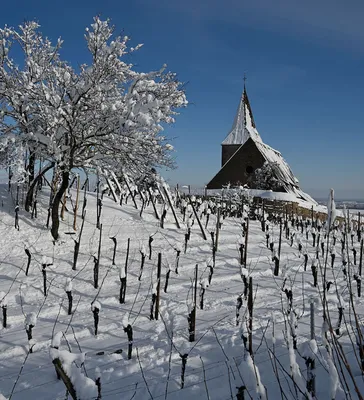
x: 244, y: 126
x: 244, y: 129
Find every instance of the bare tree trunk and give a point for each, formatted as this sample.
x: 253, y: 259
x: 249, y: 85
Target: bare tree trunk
x: 33, y: 183
x: 56, y: 203
x: 31, y: 167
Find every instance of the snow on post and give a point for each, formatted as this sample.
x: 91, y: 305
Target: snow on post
x: 4, y: 307
x: 331, y: 210
x: 79, y: 386
x: 96, y: 308
x: 128, y: 329
x: 30, y: 323
x: 68, y: 290
x: 204, y: 283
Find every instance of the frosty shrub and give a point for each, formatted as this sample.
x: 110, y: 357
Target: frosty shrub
x: 264, y: 178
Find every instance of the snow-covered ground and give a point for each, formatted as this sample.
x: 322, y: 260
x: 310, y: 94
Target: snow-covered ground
x: 217, y: 363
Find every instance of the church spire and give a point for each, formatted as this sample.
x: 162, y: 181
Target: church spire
x: 244, y: 125
x: 248, y: 110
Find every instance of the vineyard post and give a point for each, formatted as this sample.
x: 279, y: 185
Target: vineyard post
x: 98, y: 202
x: 76, y: 204
x: 310, y: 362
x: 66, y: 380
x: 277, y: 261
x: 360, y: 265
x: 198, y: 220
x: 9, y: 179
x: 27, y: 252
x: 159, y: 270
x: 44, y: 273
x: 150, y: 246
x: 127, y: 259
x: 97, y: 262
x: 111, y: 190
x: 280, y: 239
x: 84, y: 203
x: 246, y: 241
x: 70, y: 301
x: 5, y: 310
x: 193, y: 312
x: 172, y: 207
x: 217, y: 228
x: 77, y: 244
x: 130, y: 192
x: 99, y: 248
x: 178, y: 196
x: 153, y: 203
x: 114, y: 251
x: 359, y: 230
x: 250, y: 308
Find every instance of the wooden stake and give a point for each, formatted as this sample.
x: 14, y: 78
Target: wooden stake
x: 250, y: 308
x: 217, y: 228
x: 192, y: 337
x: 246, y: 242
x: 112, y: 191
x: 77, y: 244
x: 97, y: 262
x: 127, y: 258
x: 310, y: 362
x: 172, y: 207
x: 153, y: 204
x: 131, y: 194
x: 76, y: 205
x: 159, y: 270
x: 198, y: 220
x: 66, y: 380
x: 280, y: 239
x: 360, y: 265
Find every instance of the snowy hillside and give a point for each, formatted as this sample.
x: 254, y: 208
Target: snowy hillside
x: 216, y: 365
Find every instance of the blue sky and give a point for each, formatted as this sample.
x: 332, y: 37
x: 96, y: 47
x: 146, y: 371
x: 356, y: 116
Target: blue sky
x: 304, y: 62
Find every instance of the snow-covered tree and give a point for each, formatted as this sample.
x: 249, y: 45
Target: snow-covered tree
x: 105, y: 116
x: 264, y: 178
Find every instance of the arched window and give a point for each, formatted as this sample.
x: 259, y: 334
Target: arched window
x: 249, y: 169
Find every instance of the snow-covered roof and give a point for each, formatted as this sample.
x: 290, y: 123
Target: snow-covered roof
x: 244, y: 126
x: 278, y: 163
